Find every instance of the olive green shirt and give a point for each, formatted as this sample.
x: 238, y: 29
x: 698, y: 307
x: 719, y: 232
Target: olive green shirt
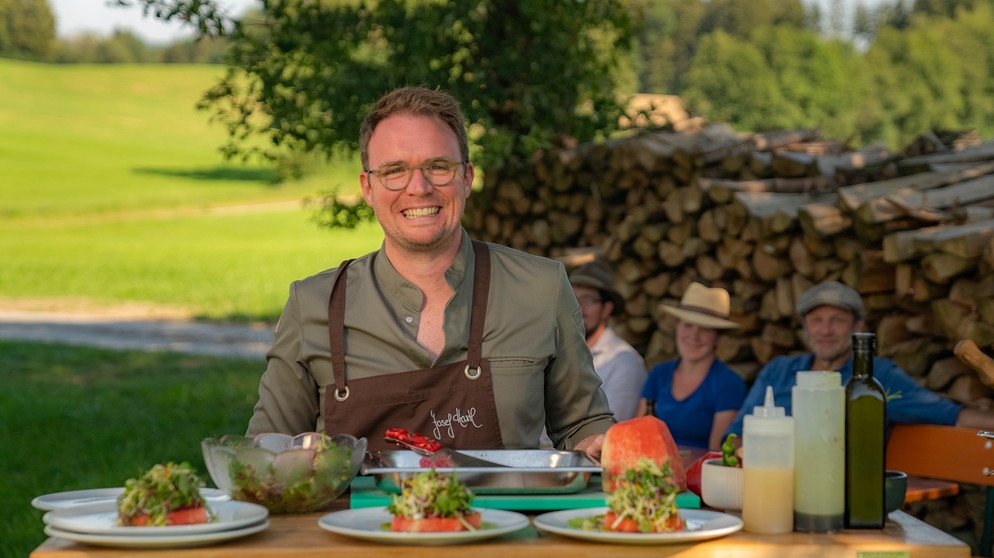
x: 543, y: 374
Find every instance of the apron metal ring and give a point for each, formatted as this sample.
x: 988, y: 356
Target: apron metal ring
x: 342, y: 394
x: 471, y: 375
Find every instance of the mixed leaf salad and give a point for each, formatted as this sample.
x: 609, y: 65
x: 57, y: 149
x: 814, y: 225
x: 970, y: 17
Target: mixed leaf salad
x: 643, y: 502
x: 167, y: 494
x: 295, y: 481
x: 430, y: 501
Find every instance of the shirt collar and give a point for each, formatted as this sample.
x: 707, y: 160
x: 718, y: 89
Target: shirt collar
x: 408, y: 293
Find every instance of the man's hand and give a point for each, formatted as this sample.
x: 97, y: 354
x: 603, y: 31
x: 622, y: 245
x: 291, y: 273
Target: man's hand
x: 592, y: 446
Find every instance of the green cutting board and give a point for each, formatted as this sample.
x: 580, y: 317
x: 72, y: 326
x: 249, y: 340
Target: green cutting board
x: 365, y: 494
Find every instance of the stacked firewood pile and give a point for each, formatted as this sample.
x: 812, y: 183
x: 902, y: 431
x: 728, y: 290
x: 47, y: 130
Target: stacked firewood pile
x: 766, y: 216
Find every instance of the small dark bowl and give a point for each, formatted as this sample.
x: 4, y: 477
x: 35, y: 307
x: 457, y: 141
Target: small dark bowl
x: 895, y: 486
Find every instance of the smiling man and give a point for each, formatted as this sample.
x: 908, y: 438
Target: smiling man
x: 830, y: 313
x: 475, y: 344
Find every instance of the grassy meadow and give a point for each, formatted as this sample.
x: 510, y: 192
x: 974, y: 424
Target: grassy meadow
x: 114, y: 197
x: 75, y: 418
x: 114, y: 192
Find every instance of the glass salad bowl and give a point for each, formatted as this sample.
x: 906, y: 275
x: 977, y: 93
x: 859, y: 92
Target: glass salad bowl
x: 286, y: 474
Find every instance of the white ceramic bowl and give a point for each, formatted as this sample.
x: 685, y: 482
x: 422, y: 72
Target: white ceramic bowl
x: 721, y: 487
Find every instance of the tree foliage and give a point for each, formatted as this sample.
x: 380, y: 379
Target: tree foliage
x: 674, y: 31
x: 27, y: 29
x: 530, y: 74
x: 542, y: 73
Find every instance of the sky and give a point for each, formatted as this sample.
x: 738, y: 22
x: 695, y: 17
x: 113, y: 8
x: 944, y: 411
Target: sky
x: 73, y: 17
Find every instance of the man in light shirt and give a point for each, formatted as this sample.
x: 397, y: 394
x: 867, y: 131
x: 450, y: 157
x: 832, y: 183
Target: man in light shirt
x: 620, y: 367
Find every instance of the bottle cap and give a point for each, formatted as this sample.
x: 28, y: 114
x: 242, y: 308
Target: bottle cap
x: 864, y: 341
x: 818, y: 379
x: 769, y: 408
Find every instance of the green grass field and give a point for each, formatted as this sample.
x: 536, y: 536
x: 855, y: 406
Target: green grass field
x: 74, y: 418
x: 115, y: 193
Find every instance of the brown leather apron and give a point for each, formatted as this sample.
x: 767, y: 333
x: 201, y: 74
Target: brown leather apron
x: 453, y: 403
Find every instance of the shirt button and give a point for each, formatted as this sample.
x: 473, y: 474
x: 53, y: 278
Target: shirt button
x: 408, y: 319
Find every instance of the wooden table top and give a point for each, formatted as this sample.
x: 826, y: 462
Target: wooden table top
x: 300, y: 536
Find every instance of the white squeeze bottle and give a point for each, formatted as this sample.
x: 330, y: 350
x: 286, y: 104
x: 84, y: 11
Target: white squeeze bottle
x: 819, y: 403
x: 768, y: 469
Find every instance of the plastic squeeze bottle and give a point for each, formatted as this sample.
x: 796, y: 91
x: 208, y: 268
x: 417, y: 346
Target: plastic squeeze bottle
x: 819, y: 403
x: 866, y: 416
x: 768, y: 469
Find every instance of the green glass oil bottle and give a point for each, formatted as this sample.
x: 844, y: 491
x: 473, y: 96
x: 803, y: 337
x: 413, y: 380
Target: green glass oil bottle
x: 865, y: 426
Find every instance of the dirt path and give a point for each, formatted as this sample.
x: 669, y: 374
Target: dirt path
x: 123, y: 330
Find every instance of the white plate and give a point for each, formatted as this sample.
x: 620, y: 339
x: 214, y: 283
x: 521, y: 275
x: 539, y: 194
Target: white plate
x: 60, y: 500
x: 701, y: 525
x: 101, y: 519
x: 152, y: 541
x: 367, y: 523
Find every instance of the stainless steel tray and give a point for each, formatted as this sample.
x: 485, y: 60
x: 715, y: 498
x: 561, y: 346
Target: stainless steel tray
x: 523, y: 471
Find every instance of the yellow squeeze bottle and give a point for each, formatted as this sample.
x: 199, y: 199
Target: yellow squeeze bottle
x: 768, y: 469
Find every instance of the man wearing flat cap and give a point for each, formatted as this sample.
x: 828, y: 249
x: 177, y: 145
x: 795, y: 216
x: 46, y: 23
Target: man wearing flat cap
x: 830, y: 313
x: 619, y: 365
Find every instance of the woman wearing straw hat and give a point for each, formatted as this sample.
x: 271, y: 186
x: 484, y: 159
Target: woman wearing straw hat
x: 696, y: 395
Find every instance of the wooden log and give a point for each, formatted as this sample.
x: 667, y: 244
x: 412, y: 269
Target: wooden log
x: 853, y: 197
x: 982, y: 152
x: 914, y: 355
x: 952, y: 319
x: 769, y: 308
x: 673, y: 206
x: 900, y: 246
x: 940, y: 267
x: 823, y: 220
x: 657, y: 285
x: 721, y: 191
x: 774, y: 213
x: 923, y: 325
x: 764, y: 351
x: 965, y: 241
x: 944, y: 371
x: 908, y: 283
x: 731, y: 348
x: 671, y: 254
x: 790, y: 164
x: 801, y: 260
x: 829, y: 165
x: 892, y: 329
x: 967, y: 389
x: 709, y: 268
x: 768, y: 265
x: 927, y: 205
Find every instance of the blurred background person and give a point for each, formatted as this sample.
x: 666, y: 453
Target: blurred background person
x: 620, y: 367
x: 696, y: 395
x: 830, y: 312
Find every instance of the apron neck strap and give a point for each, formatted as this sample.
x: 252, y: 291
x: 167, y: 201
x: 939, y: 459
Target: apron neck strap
x: 478, y: 314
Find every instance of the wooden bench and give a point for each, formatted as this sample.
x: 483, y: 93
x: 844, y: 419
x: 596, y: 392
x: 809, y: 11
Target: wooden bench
x: 936, y: 458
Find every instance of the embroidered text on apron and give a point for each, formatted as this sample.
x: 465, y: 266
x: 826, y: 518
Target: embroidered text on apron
x: 453, y: 403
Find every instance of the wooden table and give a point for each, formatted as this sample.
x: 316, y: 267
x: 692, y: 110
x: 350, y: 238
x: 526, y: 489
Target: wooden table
x: 300, y: 536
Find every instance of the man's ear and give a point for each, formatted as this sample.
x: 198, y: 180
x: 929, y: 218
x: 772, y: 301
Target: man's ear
x: 366, y: 190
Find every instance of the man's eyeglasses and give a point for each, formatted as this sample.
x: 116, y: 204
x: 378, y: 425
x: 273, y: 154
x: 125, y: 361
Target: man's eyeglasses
x: 396, y: 177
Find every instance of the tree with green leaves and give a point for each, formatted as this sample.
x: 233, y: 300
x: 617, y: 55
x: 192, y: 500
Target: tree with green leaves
x: 531, y: 74
x: 27, y: 29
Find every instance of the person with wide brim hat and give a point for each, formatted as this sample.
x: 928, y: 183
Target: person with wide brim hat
x: 696, y: 395
x: 620, y: 367
x: 704, y: 306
